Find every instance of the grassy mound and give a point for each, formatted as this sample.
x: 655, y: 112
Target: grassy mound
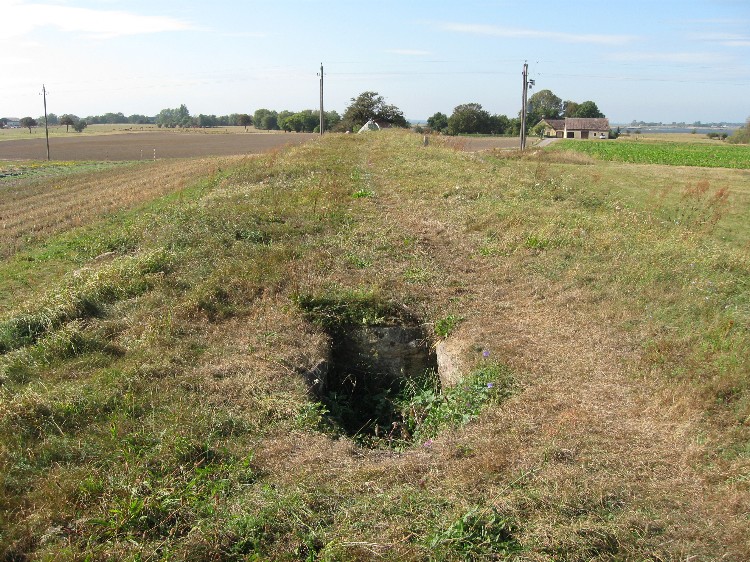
x: 154, y: 403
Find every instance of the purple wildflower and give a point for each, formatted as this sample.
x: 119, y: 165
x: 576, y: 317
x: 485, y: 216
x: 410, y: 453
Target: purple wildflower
x: 428, y: 443
x: 486, y: 353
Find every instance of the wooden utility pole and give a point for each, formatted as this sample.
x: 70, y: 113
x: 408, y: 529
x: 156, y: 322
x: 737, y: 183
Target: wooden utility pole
x: 527, y: 84
x: 523, y: 104
x: 322, y: 118
x: 46, y: 125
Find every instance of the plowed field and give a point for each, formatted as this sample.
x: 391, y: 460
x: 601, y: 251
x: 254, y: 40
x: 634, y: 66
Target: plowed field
x: 143, y: 146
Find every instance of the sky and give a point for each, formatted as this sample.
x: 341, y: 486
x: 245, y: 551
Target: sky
x: 649, y: 60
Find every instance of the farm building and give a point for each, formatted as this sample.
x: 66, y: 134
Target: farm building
x: 575, y: 127
x: 12, y: 122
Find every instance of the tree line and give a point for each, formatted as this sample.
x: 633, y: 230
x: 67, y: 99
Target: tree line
x: 469, y: 118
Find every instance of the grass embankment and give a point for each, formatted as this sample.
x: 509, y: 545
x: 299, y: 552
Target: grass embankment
x: 155, y: 405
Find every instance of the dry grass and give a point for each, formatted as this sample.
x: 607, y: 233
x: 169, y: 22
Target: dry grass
x: 34, y: 209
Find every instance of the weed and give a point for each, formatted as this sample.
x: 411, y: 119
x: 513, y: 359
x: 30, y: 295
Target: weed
x: 444, y: 326
x: 478, y: 533
x: 363, y: 194
x: 426, y: 411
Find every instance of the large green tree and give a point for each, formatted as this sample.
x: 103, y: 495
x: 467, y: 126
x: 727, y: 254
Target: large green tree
x: 438, y: 122
x: 544, y: 105
x: 266, y: 119
x: 469, y: 118
x: 587, y: 109
x: 370, y: 105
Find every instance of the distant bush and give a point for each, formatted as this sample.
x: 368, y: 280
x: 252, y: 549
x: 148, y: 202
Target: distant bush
x: 741, y: 135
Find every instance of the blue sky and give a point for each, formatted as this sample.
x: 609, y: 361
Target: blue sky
x: 652, y: 60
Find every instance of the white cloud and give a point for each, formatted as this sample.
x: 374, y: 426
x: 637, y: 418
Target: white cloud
x: 725, y: 39
x: 408, y: 52
x: 100, y: 24
x: 520, y: 33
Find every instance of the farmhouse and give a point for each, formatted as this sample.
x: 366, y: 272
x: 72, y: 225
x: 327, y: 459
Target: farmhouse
x: 12, y: 122
x: 575, y: 127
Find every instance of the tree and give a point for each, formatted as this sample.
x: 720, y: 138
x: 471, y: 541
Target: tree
x: 332, y: 119
x: 68, y: 120
x: 28, y: 122
x: 283, y: 116
x: 544, y: 105
x: 587, y: 109
x: 136, y: 119
x: 204, y: 121
x: 3, y: 122
x: 438, y: 122
x: 499, y: 124
x: 80, y: 125
x: 370, y: 105
x: 290, y: 122
x: 178, y: 117
x: 569, y: 108
x: 244, y: 120
x: 265, y: 119
x: 469, y: 118
x: 305, y: 121
x: 741, y: 135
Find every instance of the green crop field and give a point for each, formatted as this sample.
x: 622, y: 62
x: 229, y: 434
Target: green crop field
x: 183, y: 374
x: 713, y: 155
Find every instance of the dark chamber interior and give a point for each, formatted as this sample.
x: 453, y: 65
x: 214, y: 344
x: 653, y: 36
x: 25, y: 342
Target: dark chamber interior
x: 371, y: 370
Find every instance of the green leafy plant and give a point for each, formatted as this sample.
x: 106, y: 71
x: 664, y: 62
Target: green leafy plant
x: 426, y: 411
x: 444, y: 326
x: 478, y: 533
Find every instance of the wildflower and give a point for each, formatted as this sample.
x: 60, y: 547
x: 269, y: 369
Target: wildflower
x: 490, y: 385
x: 427, y: 444
x: 486, y: 353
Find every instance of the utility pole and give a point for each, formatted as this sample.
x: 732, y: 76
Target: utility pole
x: 527, y: 84
x: 322, y: 118
x: 523, y: 104
x: 46, y: 125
